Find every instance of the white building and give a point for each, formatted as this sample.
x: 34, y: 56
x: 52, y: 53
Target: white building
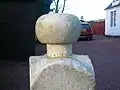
x: 112, y: 21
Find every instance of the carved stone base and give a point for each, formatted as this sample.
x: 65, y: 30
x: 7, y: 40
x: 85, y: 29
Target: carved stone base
x: 69, y: 73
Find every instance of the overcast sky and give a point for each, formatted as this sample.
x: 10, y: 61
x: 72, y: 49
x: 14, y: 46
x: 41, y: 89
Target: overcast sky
x: 89, y: 9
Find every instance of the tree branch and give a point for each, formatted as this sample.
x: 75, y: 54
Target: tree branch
x: 64, y: 6
x: 55, y: 3
x: 56, y: 11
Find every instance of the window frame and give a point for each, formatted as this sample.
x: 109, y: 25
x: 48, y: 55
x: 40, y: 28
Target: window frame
x: 113, y: 15
x: 111, y: 18
x: 115, y: 0
x: 114, y: 18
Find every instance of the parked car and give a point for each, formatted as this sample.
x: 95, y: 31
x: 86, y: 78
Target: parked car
x: 86, y: 31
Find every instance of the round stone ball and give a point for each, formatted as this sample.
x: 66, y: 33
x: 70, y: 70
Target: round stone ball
x: 58, y: 28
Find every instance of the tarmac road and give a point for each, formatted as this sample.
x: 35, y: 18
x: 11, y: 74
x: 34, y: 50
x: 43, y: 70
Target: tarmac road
x: 103, y: 51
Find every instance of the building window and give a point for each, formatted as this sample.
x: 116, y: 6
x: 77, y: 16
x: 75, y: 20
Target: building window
x: 115, y: 0
x: 113, y: 19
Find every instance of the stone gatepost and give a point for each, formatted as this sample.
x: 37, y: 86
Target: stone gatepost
x: 60, y: 69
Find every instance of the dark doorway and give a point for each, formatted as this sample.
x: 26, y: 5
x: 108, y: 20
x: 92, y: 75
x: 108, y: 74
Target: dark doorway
x: 17, y: 22
x: 17, y: 41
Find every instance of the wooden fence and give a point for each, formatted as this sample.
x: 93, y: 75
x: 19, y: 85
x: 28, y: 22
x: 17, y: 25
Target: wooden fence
x: 98, y: 27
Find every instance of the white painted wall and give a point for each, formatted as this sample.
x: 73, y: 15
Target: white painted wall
x: 115, y: 3
x: 114, y: 31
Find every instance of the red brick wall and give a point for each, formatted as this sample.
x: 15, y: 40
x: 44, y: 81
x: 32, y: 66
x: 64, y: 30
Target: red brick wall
x: 98, y: 27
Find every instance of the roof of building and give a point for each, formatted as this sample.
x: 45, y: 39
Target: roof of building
x: 99, y: 20
x: 110, y: 6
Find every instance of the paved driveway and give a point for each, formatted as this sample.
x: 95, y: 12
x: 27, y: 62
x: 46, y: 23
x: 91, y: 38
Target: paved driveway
x: 104, y: 53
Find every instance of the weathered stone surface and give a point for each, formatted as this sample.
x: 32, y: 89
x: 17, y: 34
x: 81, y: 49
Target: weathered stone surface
x: 58, y: 28
x: 59, y: 69
x: 71, y: 73
x: 59, y: 50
